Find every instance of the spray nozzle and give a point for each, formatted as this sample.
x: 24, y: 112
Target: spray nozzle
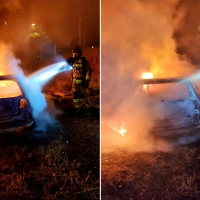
x: 65, y: 66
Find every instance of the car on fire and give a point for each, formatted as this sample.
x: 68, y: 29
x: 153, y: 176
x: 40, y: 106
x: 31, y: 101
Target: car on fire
x: 15, y: 108
x: 174, y: 104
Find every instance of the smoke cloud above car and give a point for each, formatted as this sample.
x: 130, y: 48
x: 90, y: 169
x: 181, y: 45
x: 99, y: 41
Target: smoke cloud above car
x: 138, y: 37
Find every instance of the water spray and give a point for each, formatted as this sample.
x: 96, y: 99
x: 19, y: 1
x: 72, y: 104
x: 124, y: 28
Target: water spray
x: 32, y: 84
x: 43, y: 75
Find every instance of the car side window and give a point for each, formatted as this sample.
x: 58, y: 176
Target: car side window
x: 167, y: 91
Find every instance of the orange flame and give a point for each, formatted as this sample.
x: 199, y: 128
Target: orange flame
x: 1, y: 72
x: 147, y: 75
x: 9, y: 88
x: 122, y: 130
x: 5, y: 83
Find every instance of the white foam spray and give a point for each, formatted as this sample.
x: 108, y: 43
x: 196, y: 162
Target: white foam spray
x: 32, y: 86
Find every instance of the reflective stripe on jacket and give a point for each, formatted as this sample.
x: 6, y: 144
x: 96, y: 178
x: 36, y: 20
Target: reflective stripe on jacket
x: 77, y: 65
x: 77, y: 80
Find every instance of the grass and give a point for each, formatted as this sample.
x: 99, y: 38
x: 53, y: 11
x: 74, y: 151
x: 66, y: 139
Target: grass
x: 48, y: 168
x: 61, y: 162
x: 157, y: 175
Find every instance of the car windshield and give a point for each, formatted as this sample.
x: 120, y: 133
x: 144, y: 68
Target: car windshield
x: 9, y: 88
x: 164, y: 91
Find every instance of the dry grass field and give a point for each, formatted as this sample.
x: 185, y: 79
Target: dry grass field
x: 142, y: 175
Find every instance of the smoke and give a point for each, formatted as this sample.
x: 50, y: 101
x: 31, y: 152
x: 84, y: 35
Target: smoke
x: 60, y: 20
x: 44, y: 111
x: 137, y: 37
x: 10, y: 5
x: 48, y: 114
x: 187, y: 32
x: 138, y: 120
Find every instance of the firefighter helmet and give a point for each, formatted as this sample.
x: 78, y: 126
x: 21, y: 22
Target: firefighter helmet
x: 77, y: 50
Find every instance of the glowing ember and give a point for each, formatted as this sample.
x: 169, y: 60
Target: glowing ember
x: 147, y: 75
x: 122, y: 130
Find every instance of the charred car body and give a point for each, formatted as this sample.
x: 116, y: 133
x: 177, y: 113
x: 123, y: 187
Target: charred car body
x: 174, y: 104
x: 15, y: 108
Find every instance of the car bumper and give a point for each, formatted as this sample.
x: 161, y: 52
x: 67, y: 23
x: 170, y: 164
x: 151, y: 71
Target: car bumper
x: 13, y: 127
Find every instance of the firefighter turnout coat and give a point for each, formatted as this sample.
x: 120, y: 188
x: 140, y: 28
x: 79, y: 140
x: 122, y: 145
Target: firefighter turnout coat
x: 81, y: 75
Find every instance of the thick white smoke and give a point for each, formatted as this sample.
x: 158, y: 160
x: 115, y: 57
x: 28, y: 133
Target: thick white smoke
x: 11, y: 65
x: 137, y: 37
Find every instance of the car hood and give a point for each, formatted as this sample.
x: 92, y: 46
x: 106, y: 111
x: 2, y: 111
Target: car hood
x: 9, y: 106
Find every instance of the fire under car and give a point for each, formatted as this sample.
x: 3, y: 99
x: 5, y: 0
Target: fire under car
x: 174, y: 104
x: 15, y: 108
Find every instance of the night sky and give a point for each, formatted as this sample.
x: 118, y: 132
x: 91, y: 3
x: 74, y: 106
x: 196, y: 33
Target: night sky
x: 59, y: 19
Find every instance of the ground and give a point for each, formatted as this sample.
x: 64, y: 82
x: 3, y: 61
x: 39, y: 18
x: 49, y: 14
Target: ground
x: 172, y: 174
x: 59, y: 163
x: 62, y: 160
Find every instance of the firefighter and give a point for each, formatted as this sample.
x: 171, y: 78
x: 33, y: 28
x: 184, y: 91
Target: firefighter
x: 81, y: 76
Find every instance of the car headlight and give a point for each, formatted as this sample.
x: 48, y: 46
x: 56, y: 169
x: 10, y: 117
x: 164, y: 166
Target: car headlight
x: 23, y: 103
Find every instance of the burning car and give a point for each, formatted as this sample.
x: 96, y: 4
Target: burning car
x: 15, y: 108
x: 174, y: 104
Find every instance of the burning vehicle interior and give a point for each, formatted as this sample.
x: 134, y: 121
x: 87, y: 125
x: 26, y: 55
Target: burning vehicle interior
x: 173, y: 103
x: 15, y: 109
x: 9, y: 88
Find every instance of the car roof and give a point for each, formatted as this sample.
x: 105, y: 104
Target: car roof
x: 7, y: 77
x: 161, y: 80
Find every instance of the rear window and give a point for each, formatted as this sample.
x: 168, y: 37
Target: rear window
x: 9, y: 88
x: 164, y: 91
